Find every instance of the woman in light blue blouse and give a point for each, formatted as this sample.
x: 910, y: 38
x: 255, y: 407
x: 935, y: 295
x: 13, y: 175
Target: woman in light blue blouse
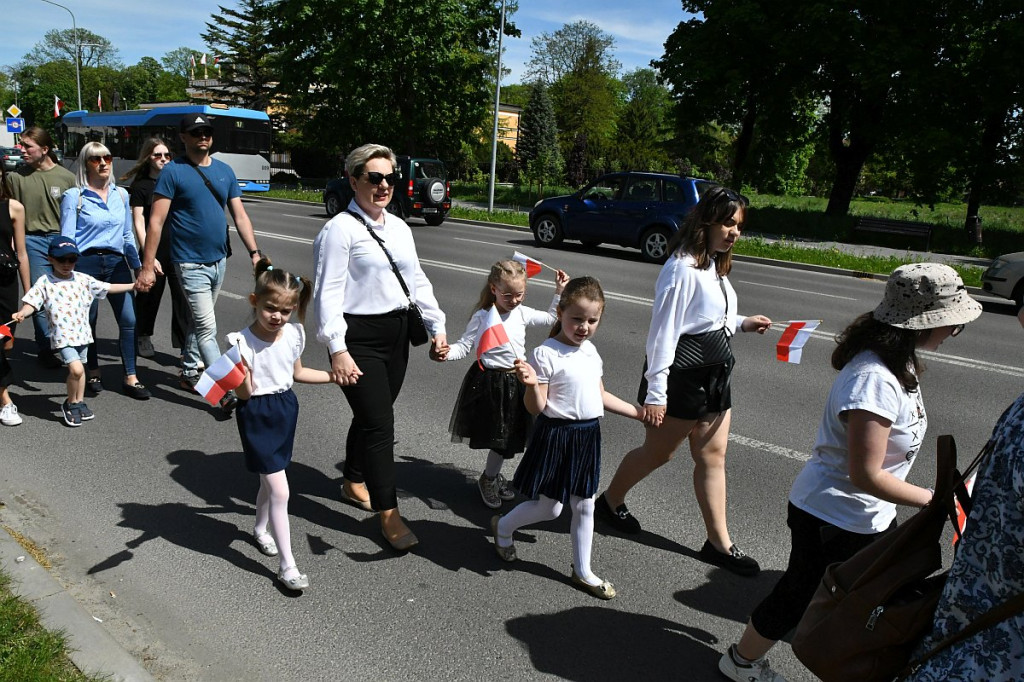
x: 97, y: 215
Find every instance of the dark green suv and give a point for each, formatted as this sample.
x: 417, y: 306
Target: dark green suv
x: 423, y: 191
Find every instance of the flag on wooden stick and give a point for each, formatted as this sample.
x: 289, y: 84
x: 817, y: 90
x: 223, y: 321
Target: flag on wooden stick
x: 790, y: 346
x: 533, y: 267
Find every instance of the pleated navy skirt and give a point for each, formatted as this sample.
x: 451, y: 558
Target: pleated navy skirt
x: 266, y: 425
x: 489, y: 413
x: 562, y: 459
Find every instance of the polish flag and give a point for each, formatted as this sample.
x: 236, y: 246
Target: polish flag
x: 203, y: 59
x: 99, y: 100
x: 790, y: 346
x: 226, y: 374
x: 533, y: 267
x: 961, y: 515
x: 57, y: 105
x: 5, y: 332
x: 493, y: 336
x: 192, y: 59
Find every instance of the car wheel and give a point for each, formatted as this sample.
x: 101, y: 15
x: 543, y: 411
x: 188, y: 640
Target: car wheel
x: 333, y: 205
x: 433, y: 191
x: 547, y: 231
x: 654, y: 245
x: 434, y: 220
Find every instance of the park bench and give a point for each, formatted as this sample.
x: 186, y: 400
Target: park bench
x: 890, y: 226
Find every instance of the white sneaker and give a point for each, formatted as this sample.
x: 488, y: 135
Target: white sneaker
x: 9, y: 415
x: 758, y: 671
x: 146, y: 347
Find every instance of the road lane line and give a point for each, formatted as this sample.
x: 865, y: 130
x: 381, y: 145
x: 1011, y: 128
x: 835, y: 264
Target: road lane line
x: 307, y: 217
x: 955, y: 360
x: 769, y: 447
x: 798, y: 291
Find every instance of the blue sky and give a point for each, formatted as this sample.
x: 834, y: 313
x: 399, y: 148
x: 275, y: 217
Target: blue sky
x: 138, y: 29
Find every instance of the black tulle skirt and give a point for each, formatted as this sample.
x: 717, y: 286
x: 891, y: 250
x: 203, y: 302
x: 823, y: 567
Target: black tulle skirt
x: 489, y: 413
x: 563, y: 459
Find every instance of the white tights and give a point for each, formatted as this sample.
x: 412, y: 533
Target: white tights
x: 546, y: 509
x: 272, y: 508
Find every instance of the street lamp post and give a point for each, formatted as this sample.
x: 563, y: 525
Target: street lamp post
x: 497, y: 102
x: 78, y: 50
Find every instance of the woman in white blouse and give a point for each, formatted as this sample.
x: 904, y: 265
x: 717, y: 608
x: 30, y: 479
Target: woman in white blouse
x: 686, y: 384
x: 361, y: 313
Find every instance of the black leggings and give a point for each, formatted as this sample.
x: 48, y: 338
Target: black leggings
x: 815, y: 545
x: 379, y: 345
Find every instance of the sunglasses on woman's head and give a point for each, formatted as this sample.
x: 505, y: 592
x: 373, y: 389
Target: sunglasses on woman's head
x: 375, y: 178
x: 95, y: 160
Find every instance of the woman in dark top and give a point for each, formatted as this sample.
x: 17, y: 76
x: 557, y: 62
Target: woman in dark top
x: 154, y: 156
x: 12, y: 250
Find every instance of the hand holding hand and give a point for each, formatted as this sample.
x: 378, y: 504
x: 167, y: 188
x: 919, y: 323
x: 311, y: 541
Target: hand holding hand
x: 145, y: 279
x: 561, y: 279
x: 344, y: 369
x: 756, y: 323
x: 525, y: 372
x: 654, y: 415
x: 439, y: 348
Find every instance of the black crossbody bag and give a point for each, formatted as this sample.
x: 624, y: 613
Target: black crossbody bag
x: 418, y: 334
x: 704, y: 350
x: 222, y: 204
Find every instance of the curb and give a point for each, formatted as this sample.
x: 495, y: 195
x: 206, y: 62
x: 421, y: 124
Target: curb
x: 91, y: 648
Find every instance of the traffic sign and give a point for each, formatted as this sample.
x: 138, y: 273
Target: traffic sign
x: 15, y: 125
x: 14, y: 111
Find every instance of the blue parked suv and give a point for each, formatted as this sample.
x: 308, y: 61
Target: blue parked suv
x: 634, y: 209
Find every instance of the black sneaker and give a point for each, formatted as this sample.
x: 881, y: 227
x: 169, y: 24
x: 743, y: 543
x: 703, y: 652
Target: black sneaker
x: 188, y: 381
x: 83, y: 411
x: 93, y: 386
x: 619, y: 518
x: 735, y: 561
x: 71, y: 415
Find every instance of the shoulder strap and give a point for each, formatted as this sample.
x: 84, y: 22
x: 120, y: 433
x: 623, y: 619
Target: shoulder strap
x: 206, y: 181
x: 394, y: 266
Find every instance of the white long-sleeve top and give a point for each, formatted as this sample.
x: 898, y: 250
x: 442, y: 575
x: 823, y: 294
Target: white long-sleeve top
x: 515, y: 323
x: 354, y: 276
x: 686, y: 301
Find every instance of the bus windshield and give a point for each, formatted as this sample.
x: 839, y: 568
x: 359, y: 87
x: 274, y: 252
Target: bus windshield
x: 241, y: 137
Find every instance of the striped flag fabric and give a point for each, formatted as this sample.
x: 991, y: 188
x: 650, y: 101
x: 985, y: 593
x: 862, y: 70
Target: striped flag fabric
x: 57, y: 104
x: 5, y: 332
x: 790, y: 346
x: 532, y: 266
x: 961, y: 515
x: 226, y: 374
x: 492, y: 335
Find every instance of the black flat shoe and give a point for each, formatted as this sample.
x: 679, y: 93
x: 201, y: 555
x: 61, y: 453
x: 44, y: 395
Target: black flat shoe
x: 735, y: 561
x: 619, y: 518
x: 137, y: 391
x: 94, y: 385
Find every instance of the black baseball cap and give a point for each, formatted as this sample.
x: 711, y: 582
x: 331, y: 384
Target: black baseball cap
x: 191, y: 122
x: 61, y: 246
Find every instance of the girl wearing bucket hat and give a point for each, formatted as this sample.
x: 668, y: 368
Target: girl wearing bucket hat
x: 869, y: 436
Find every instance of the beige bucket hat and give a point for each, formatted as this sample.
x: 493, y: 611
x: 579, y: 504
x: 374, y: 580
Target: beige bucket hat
x: 926, y: 296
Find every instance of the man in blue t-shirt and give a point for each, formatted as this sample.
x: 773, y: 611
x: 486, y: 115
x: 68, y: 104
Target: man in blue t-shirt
x: 189, y: 198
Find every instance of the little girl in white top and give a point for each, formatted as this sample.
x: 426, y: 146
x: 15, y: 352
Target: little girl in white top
x: 489, y: 413
x: 563, y: 461
x: 268, y: 411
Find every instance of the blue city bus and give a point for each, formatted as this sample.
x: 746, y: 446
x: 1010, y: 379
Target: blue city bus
x: 241, y: 137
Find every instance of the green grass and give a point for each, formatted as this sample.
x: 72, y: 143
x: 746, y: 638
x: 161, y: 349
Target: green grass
x: 28, y: 652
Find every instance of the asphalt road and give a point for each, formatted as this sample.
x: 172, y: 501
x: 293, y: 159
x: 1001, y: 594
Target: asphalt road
x: 146, y: 511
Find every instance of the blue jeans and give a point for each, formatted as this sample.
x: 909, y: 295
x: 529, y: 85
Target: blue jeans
x: 112, y: 268
x: 37, y: 246
x: 201, y: 283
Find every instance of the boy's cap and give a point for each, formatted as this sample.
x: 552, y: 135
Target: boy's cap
x: 61, y: 246
x: 193, y: 121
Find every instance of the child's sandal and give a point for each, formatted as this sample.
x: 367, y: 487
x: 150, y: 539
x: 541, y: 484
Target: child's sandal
x: 265, y: 542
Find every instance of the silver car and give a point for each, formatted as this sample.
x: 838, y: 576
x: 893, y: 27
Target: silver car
x: 1005, y: 277
x: 11, y: 156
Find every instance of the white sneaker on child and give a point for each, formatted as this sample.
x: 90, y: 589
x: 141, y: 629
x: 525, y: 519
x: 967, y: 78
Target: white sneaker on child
x: 9, y: 415
x: 756, y: 671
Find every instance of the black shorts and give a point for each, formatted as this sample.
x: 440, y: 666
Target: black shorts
x: 695, y: 392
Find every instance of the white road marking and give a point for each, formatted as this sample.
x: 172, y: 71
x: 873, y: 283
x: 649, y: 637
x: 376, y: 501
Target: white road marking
x: 798, y: 291
x: 769, y: 447
x: 307, y: 217
x: 958, y: 361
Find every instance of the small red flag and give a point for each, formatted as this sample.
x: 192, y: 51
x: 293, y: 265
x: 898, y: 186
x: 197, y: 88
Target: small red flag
x: 790, y: 346
x: 532, y: 266
x: 225, y: 374
x: 5, y: 332
x: 492, y: 336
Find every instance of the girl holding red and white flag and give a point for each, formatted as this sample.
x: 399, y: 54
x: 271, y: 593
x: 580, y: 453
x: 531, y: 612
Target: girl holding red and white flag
x: 562, y: 464
x: 489, y: 413
x: 267, y: 412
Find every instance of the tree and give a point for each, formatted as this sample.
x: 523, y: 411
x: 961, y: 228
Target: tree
x: 643, y: 127
x: 585, y: 101
x: 412, y: 75
x: 556, y: 54
x: 140, y: 83
x: 179, y: 61
x: 60, y: 45
x: 537, y: 149
x: 239, y: 38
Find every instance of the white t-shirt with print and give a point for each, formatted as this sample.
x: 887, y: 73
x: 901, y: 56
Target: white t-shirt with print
x: 66, y: 302
x: 573, y: 375
x: 823, y: 487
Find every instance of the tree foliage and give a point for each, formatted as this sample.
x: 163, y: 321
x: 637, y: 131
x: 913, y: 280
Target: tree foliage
x: 643, y: 122
x: 557, y: 54
x: 60, y: 45
x: 404, y: 73
x: 239, y: 39
x: 539, y: 157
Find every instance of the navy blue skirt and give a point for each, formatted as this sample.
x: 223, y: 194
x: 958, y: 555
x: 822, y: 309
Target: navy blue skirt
x: 489, y: 413
x: 266, y: 425
x: 562, y: 459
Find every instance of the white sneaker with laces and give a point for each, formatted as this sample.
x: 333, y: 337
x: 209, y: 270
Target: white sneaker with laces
x: 146, y: 347
x: 757, y: 671
x: 9, y: 415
